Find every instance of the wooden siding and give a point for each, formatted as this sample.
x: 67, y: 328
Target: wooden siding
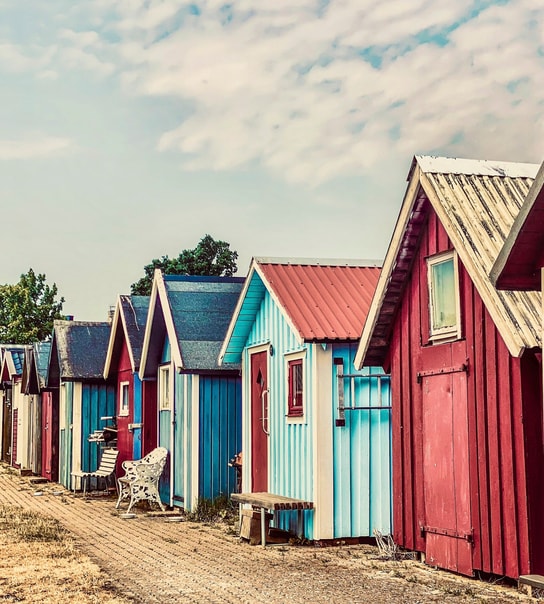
x: 362, y: 449
x: 503, y: 418
x: 290, y: 445
x: 220, y: 438
x: 123, y: 373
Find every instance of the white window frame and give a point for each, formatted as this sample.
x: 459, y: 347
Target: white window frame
x: 165, y: 387
x: 124, y: 409
x: 287, y: 358
x: 451, y: 332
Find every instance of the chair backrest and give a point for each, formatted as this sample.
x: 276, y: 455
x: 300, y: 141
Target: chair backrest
x: 158, y: 455
x: 108, y: 460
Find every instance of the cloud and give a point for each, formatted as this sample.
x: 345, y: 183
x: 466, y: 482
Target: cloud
x: 35, y: 147
x: 312, y: 90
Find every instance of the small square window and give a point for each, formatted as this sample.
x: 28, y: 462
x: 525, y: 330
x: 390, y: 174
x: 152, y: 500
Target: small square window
x: 123, y: 398
x: 443, y: 283
x: 164, y: 387
x: 296, y: 388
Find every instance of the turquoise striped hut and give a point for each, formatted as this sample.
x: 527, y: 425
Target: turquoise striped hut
x: 314, y: 429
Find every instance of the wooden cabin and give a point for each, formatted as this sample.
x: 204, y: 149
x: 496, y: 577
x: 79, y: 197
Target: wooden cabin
x: 465, y: 372
x: 16, y: 408
x: 41, y: 426
x: 136, y: 401
x: 314, y: 429
x: 76, y: 370
x: 199, y: 403
x: 44, y: 411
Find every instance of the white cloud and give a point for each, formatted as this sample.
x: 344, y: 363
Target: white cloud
x: 33, y: 147
x: 311, y: 91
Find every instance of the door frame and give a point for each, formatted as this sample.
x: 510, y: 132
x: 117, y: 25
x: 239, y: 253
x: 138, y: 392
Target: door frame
x: 252, y: 351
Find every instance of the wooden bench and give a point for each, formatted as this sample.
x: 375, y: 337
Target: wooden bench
x: 274, y: 503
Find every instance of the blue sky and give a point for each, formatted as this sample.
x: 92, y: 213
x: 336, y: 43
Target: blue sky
x: 130, y: 128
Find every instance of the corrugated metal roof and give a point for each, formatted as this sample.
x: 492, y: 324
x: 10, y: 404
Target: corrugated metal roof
x: 41, y: 360
x: 81, y: 347
x: 323, y: 300
x: 477, y: 211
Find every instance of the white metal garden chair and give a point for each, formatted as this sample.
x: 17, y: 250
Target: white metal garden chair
x: 141, y: 479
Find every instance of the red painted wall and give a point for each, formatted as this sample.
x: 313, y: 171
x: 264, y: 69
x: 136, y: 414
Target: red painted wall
x: 124, y: 435
x: 149, y: 416
x: 497, y: 433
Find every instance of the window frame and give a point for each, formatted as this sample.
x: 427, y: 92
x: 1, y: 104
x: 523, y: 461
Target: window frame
x: 165, y: 388
x: 449, y: 332
x: 124, y: 410
x: 295, y: 413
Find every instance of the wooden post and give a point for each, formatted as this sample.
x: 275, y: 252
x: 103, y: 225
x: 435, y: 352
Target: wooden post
x: 263, y: 527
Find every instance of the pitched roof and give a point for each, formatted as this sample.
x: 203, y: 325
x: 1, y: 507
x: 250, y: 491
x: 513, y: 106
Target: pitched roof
x: 128, y: 325
x: 519, y: 262
x: 322, y: 300
x: 476, y: 202
x: 194, y: 311
x: 34, y: 376
x: 81, y: 348
x: 13, y: 357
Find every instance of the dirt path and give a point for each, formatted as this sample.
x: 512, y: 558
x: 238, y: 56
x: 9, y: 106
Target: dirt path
x: 153, y: 560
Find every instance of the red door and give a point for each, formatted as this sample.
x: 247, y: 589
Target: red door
x: 259, y: 422
x: 447, y: 528
x: 47, y: 424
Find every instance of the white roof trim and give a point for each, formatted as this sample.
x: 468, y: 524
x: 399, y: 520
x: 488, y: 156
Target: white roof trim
x: 318, y: 261
x: 481, y: 167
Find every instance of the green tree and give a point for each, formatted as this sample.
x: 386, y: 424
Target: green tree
x: 209, y: 257
x: 28, y: 309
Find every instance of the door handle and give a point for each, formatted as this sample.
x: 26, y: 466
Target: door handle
x: 264, y: 417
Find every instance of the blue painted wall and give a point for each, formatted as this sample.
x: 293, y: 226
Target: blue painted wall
x: 220, y: 433
x: 137, y: 417
x: 362, y: 450
x: 97, y: 400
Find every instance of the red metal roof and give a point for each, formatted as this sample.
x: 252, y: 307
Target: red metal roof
x: 324, y: 301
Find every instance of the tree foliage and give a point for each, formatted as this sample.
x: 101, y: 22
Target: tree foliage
x: 209, y: 257
x: 28, y: 309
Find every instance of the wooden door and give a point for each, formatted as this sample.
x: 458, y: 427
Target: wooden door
x: 6, y: 434
x: 446, y: 484
x: 47, y: 431
x: 259, y: 422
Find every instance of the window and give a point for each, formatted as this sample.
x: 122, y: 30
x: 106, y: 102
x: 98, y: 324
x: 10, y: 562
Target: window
x: 443, y: 284
x: 164, y: 387
x: 123, y: 398
x: 296, y: 388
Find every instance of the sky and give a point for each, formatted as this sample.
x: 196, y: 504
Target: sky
x: 131, y: 128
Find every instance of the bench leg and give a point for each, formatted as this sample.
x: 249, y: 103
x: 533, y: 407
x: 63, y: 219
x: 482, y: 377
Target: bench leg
x: 263, y: 527
x: 300, y: 524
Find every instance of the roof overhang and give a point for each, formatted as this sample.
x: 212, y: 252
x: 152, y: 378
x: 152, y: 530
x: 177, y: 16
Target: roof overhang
x: 118, y: 332
x: 518, y: 265
x: 159, y: 323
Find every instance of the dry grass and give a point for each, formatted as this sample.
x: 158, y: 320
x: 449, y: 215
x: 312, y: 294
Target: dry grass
x: 39, y: 562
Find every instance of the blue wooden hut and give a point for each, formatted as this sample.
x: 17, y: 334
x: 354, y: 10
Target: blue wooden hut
x: 314, y: 429
x: 76, y: 368
x: 199, y: 403
x: 136, y: 409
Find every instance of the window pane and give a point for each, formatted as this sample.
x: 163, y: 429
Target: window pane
x: 296, y: 400
x: 443, y: 295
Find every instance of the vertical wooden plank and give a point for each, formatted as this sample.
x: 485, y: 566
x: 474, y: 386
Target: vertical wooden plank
x: 407, y: 426
x: 506, y: 445
x: 469, y: 319
x: 479, y: 373
x: 493, y: 426
x: 398, y: 402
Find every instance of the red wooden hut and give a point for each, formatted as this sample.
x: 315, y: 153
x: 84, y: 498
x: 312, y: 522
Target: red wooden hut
x: 136, y: 401
x: 465, y: 372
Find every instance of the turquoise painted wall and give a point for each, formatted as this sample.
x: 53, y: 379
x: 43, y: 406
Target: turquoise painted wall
x: 362, y: 449
x: 65, y: 437
x: 291, y: 452
x: 97, y: 400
